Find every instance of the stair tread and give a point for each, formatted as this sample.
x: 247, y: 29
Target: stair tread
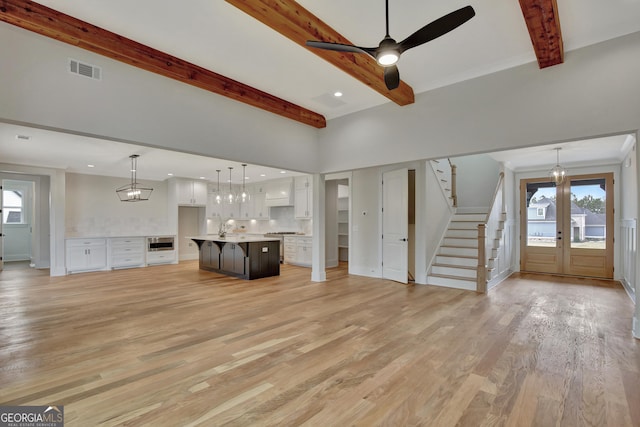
x: 450, y: 276
x: 464, y: 267
x: 461, y: 237
x: 459, y: 256
x: 458, y: 246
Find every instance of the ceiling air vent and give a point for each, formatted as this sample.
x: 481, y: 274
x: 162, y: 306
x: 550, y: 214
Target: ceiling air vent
x: 83, y: 69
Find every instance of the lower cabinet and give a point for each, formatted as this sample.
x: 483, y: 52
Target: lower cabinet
x: 247, y: 260
x: 209, y: 255
x: 298, y: 250
x: 161, y: 257
x: 86, y: 255
x: 232, y: 259
x: 127, y: 252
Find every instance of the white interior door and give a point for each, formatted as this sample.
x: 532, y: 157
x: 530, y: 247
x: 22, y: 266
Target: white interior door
x: 395, y: 220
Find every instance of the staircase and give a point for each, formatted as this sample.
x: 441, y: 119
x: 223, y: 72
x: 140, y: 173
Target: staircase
x: 456, y: 263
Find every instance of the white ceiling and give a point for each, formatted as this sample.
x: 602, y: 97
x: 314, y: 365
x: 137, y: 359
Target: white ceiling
x: 221, y: 38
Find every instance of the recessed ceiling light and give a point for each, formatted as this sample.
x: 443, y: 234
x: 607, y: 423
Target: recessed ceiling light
x: 283, y: 171
x: 263, y: 174
x: 23, y: 137
x: 337, y: 94
x: 170, y: 174
x: 91, y: 166
x: 202, y: 177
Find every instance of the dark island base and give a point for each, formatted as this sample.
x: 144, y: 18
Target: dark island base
x: 246, y: 260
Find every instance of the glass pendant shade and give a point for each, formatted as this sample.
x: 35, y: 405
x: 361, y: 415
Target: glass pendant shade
x: 133, y: 192
x: 243, y: 196
x: 558, y: 173
x: 218, y: 194
x: 230, y: 197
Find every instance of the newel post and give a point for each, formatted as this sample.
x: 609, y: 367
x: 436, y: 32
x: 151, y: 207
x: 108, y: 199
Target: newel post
x: 454, y: 193
x: 482, y: 259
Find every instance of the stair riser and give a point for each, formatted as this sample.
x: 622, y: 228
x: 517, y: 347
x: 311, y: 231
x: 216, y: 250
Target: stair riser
x: 452, y: 271
x: 463, y: 262
x: 470, y: 217
x: 467, y: 243
x: 446, y: 250
x: 468, y: 233
x: 464, y: 224
x: 452, y: 283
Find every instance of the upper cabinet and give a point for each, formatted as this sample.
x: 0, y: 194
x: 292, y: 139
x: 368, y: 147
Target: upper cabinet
x: 260, y: 209
x: 279, y: 192
x: 191, y: 192
x: 303, y: 206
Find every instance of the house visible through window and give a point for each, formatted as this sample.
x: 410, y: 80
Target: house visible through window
x: 540, y: 212
x: 12, y: 207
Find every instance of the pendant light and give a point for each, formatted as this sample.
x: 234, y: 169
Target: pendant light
x: 230, y: 197
x: 218, y: 194
x: 558, y: 173
x: 244, y: 196
x: 133, y: 192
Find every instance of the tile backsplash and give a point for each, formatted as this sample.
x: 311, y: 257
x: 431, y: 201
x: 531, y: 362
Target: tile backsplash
x: 282, y: 219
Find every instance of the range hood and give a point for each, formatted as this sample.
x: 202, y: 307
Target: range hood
x: 279, y: 193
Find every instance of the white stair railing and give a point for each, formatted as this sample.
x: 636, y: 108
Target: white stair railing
x: 445, y: 172
x: 488, y: 232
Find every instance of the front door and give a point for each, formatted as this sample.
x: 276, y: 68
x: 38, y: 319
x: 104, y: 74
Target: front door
x: 395, y: 225
x: 567, y: 228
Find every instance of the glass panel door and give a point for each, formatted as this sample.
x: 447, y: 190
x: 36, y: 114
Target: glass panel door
x: 568, y: 228
x: 541, y: 241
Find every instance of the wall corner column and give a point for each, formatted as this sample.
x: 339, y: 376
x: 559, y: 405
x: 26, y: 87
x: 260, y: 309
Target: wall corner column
x: 318, y: 272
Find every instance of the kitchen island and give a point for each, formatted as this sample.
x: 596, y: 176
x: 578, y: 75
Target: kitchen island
x: 246, y: 257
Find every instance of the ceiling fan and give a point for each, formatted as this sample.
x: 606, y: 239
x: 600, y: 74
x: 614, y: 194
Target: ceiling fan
x: 388, y: 51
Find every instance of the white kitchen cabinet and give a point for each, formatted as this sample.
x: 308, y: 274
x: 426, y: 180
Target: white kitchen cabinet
x: 191, y: 192
x: 303, y: 202
x: 230, y: 210
x: 246, y: 210
x: 214, y: 210
x: 279, y: 192
x: 127, y: 252
x: 86, y: 255
x: 298, y: 250
x: 161, y: 257
x: 260, y: 209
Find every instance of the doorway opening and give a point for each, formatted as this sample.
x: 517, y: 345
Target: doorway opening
x: 17, y: 224
x: 568, y: 228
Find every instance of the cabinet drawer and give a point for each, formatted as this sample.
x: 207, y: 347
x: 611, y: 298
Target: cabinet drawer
x: 127, y: 242
x: 85, y: 242
x: 127, y: 261
x: 161, y: 257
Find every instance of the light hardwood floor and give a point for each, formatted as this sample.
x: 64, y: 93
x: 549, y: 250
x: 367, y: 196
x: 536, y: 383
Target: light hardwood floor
x: 175, y: 346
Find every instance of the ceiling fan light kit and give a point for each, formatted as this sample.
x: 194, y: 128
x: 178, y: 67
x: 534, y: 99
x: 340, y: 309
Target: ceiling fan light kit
x: 388, y: 51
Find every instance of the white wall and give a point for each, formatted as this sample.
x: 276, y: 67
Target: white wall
x: 133, y: 105
x: 93, y: 208
x: 476, y: 178
x: 594, y: 93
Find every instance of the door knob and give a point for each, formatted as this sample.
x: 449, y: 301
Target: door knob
x: 403, y: 240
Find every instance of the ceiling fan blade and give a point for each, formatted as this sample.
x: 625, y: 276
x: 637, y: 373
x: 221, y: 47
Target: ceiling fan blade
x: 391, y: 77
x: 339, y: 47
x: 438, y: 28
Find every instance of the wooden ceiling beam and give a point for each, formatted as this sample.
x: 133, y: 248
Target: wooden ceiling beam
x: 543, y: 24
x: 299, y: 25
x: 51, y: 23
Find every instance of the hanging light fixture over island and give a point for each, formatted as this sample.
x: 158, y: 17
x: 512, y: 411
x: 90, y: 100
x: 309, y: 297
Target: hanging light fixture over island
x: 133, y: 192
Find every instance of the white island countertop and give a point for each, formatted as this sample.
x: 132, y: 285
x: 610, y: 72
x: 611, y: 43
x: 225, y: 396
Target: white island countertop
x: 234, y: 239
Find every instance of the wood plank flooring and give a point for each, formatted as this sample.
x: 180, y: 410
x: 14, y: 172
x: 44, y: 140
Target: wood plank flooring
x: 176, y: 346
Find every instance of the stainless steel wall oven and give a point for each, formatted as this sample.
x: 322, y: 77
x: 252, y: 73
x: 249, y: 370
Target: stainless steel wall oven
x: 160, y: 244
